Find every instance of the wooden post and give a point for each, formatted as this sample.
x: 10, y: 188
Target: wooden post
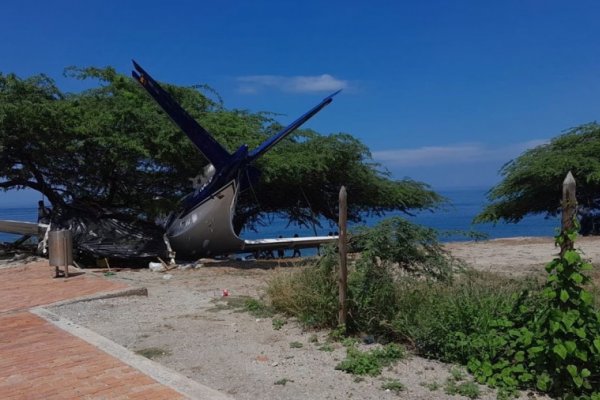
x: 569, y: 208
x: 342, y: 243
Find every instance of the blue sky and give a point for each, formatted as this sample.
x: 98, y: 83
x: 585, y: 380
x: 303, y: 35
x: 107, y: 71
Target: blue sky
x: 441, y: 91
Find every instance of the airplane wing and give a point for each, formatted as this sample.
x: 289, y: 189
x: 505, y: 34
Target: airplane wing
x: 288, y: 243
x: 22, y: 228
x: 273, y: 140
x: 206, y: 144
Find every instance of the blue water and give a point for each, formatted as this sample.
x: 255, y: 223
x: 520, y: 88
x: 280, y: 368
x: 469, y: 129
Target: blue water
x: 465, y: 204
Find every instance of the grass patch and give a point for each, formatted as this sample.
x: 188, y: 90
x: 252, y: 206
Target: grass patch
x: 468, y: 389
x: 326, y: 347
x: 296, y: 345
x: 278, y: 323
x: 254, y: 307
x: 258, y: 308
x: 153, y: 352
x: 433, y: 386
x: 393, y: 385
x: 370, y: 362
x: 283, y: 381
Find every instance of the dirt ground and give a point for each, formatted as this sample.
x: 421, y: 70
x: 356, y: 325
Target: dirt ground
x: 186, y: 324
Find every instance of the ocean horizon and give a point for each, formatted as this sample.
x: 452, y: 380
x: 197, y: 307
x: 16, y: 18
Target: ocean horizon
x: 464, y: 205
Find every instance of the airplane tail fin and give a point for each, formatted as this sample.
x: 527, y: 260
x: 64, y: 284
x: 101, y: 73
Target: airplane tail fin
x: 201, y: 138
x: 273, y: 140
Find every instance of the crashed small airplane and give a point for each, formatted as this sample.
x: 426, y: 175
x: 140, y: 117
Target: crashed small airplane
x: 202, y: 226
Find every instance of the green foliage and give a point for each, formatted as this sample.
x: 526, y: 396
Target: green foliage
x: 433, y: 386
x: 327, y: 347
x: 392, y: 249
x: 467, y: 389
x: 283, y: 381
x: 441, y: 319
x: 555, y: 346
x: 309, y: 295
x: 278, y: 323
x: 257, y: 308
x: 532, y: 182
x: 393, y: 385
x: 457, y: 384
x: 370, y: 362
x: 296, y: 345
x: 413, y: 248
x: 112, y: 146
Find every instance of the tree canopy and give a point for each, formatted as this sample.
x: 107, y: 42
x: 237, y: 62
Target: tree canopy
x: 532, y: 183
x: 112, y: 147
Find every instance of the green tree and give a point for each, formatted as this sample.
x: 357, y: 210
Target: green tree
x: 112, y: 147
x: 532, y: 183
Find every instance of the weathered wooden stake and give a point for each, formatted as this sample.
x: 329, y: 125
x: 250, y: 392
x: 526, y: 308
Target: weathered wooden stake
x: 342, y: 243
x: 569, y: 208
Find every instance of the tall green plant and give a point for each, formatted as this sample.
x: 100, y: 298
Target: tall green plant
x: 557, y: 347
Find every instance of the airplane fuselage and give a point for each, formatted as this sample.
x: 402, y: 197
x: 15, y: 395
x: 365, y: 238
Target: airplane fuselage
x: 207, y: 228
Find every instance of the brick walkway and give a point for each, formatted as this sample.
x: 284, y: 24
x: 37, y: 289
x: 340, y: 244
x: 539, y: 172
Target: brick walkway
x: 40, y: 361
x: 32, y: 285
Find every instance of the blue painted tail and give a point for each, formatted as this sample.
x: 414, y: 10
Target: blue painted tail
x: 206, y: 144
x: 273, y: 140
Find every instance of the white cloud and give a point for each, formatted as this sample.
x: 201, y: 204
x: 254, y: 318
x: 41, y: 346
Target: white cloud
x: 298, y: 84
x: 465, y: 153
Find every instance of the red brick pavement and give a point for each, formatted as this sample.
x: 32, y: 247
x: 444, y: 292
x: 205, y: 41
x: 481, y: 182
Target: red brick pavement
x: 32, y: 285
x: 40, y: 361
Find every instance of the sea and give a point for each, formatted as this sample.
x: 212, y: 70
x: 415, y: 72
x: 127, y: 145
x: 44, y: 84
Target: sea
x: 456, y: 216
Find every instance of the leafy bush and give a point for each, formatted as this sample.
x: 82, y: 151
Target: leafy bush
x: 556, y: 347
x: 441, y: 319
x: 390, y: 251
x: 409, y: 247
x: 393, y: 385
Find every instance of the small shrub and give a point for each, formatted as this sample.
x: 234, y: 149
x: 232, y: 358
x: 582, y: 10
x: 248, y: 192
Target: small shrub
x: 278, y: 323
x: 440, y: 318
x: 390, y: 250
x: 433, y: 386
x: 326, y: 347
x: 283, y: 381
x: 468, y: 389
x: 393, y: 385
x: 371, y: 362
x: 257, y: 308
x: 296, y: 345
x: 457, y: 374
x: 310, y: 295
x: 413, y: 248
x: 554, y: 346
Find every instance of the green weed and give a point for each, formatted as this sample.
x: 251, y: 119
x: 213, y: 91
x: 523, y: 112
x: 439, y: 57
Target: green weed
x: 433, y: 386
x: 257, y: 308
x: 278, y: 323
x: 326, y: 347
x: 468, y: 389
x: 370, y: 362
x: 393, y: 385
x: 296, y: 345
